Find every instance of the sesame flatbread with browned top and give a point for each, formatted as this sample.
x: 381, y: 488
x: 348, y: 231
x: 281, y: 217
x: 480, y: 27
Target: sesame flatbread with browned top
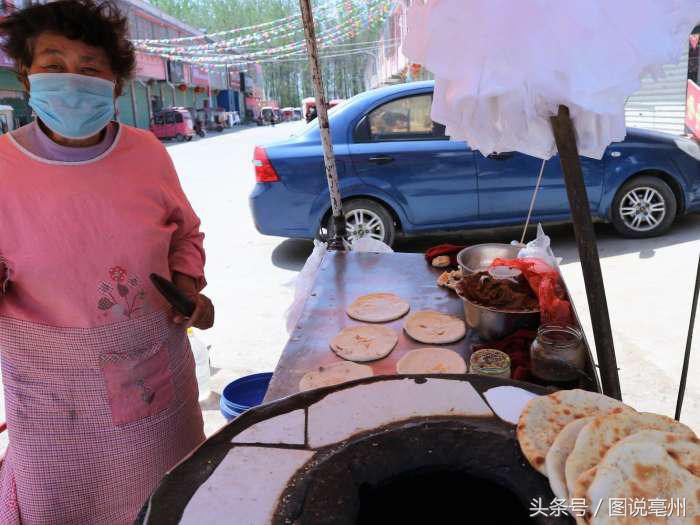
x: 663, y: 466
x: 378, y: 308
x: 555, y: 461
x: 334, y: 374
x: 435, y: 328
x: 364, y: 342
x: 598, y: 436
x: 545, y: 416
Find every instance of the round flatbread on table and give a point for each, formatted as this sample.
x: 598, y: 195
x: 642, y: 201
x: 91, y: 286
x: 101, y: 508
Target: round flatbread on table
x: 334, y: 374
x: 545, y: 416
x: 431, y: 361
x: 378, y: 308
x: 434, y: 328
x: 364, y: 342
x: 599, y: 435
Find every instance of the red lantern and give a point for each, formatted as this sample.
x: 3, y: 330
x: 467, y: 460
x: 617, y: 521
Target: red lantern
x: 182, y: 87
x: 415, y: 70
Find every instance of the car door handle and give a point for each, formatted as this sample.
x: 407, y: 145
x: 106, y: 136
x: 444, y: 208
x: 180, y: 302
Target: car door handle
x: 381, y: 159
x: 501, y: 156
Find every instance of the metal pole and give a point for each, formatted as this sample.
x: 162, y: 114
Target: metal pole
x: 336, y: 241
x: 588, y: 250
x: 688, y: 344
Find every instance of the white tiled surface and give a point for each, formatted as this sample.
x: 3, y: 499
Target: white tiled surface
x: 287, y: 428
x: 245, y: 487
x: 342, y: 414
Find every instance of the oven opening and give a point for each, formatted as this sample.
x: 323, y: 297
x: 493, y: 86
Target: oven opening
x: 439, y: 495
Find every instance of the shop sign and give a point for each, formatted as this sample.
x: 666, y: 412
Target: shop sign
x: 234, y: 79
x: 5, y: 61
x: 218, y: 79
x: 176, y: 72
x: 692, y: 109
x: 200, y: 76
x: 150, y: 66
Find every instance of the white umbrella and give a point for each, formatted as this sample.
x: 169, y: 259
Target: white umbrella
x: 503, y: 67
x: 541, y: 76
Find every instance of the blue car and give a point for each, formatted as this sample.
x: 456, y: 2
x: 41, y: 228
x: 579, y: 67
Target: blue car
x: 400, y: 175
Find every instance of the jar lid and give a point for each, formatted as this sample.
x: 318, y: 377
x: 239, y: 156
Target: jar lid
x: 490, y: 358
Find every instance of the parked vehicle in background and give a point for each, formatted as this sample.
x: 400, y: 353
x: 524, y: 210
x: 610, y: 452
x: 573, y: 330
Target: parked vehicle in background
x: 287, y: 114
x: 173, y: 123
x: 7, y: 119
x: 297, y: 114
x: 335, y: 102
x: 400, y: 175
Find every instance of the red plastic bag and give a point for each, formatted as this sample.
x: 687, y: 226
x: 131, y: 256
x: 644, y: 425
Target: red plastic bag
x: 544, y: 281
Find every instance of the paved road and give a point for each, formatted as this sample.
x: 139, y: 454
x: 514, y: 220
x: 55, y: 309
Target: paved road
x: 649, y: 282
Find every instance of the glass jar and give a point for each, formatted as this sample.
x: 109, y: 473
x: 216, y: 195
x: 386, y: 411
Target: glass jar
x: 557, y: 354
x: 488, y: 362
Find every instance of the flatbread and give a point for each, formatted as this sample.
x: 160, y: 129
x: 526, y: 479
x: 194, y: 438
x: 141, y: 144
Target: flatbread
x: 545, y: 416
x: 555, y: 460
x: 431, y: 361
x: 598, y: 436
x: 334, y: 374
x: 435, y: 328
x: 647, y: 465
x: 364, y: 342
x: 580, y: 494
x: 378, y: 308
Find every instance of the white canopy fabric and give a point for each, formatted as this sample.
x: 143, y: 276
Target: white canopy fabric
x: 502, y: 67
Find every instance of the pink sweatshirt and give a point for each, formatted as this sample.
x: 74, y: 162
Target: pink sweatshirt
x: 78, y: 240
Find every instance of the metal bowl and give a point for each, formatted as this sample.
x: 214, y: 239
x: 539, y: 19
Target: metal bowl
x: 492, y: 324
x: 479, y: 257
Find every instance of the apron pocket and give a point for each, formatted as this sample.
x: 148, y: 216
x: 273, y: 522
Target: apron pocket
x: 139, y: 384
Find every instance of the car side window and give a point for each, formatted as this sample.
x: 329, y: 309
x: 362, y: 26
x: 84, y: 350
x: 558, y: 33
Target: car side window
x: 406, y: 118
x: 178, y: 117
x: 158, y: 119
x: 169, y: 118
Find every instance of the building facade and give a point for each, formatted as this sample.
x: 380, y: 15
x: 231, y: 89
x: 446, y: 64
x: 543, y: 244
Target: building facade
x: 157, y: 82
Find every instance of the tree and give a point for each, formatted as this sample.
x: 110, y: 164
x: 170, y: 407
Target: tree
x: 286, y: 81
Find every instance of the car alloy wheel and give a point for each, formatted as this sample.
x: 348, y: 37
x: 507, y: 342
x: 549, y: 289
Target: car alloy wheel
x: 643, y: 209
x: 364, y: 223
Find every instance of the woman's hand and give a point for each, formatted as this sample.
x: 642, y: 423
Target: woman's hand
x: 203, y: 316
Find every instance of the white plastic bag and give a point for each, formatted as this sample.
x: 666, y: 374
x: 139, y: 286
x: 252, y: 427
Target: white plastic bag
x: 539, y: 249
x: 367, y: 244
x: 304, y: 283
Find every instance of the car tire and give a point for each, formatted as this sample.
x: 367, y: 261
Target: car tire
x: 180, y: 137
x: 189, y: 138
x: 367, y: 215
x: 644, y: 207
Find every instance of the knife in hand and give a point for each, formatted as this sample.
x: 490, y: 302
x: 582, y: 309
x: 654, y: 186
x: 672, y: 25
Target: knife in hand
x: 173, y: 295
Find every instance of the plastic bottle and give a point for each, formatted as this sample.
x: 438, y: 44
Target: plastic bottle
x: 201, y: 361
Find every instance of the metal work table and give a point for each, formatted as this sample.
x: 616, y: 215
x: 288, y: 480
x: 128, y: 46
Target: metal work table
x: 341, y: 278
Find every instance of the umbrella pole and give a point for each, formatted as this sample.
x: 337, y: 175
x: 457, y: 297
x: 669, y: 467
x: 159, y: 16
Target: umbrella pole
x: 688, y: 344
x: 336, y: 241
x: 588, y: 250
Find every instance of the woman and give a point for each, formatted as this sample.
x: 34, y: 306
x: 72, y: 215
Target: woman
x: 100, y: 389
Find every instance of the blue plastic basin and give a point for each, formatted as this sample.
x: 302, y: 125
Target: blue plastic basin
x: 244, y: 393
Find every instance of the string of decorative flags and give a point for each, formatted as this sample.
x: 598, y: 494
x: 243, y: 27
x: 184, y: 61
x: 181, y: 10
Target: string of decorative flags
x: 260, y: 33
x: 333, y: 35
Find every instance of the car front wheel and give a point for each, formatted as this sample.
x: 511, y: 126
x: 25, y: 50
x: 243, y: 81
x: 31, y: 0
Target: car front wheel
x: 644, y: 207
x: 366, y: 218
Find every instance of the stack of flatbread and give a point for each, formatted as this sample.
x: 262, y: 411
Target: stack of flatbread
x: 597, y: 450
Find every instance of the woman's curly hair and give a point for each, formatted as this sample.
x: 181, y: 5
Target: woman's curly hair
x: 96, y: 23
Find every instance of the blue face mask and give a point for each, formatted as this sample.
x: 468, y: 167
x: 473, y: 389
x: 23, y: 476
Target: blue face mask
x: 73, y: 106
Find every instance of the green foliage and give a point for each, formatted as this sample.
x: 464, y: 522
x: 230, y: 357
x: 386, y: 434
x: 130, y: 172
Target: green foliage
x: 287, y: 82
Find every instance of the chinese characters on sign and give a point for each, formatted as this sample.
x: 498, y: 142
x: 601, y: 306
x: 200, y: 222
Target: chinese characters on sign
x: 616, y: 507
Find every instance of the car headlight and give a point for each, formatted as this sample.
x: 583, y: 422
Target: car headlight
x: 689, y: 146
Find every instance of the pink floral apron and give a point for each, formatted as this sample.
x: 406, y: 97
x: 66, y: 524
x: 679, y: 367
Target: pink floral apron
x: 96, y: 416
x: 100, y: 387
